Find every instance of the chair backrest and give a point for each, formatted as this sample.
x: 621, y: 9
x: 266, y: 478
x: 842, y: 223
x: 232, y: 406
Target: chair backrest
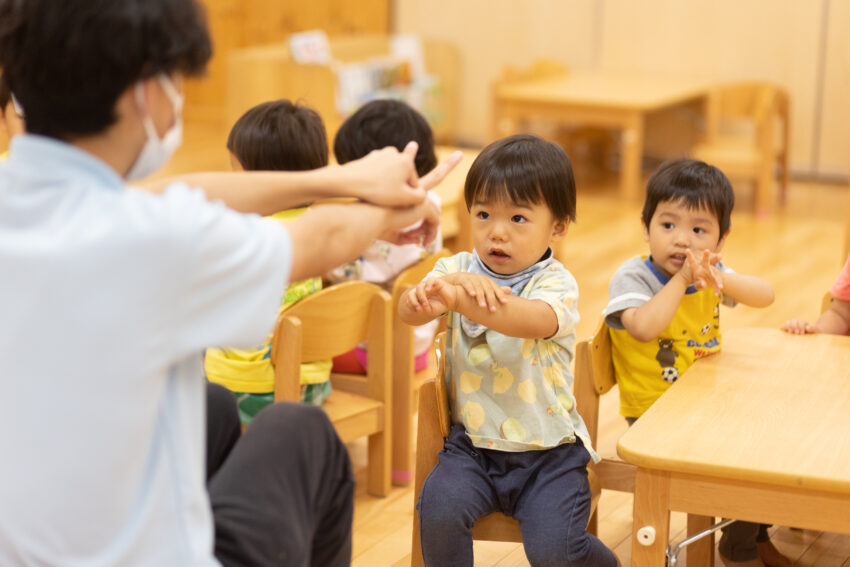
x: 403, y: 333
x: 415, y: 273
x: 594, y: 376
x: 750, y: 104
x: 328, y: 323
x: 441, y: 388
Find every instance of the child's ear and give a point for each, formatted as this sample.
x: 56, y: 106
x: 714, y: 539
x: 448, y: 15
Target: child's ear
x: 645, y: 231
x: 560, y: 229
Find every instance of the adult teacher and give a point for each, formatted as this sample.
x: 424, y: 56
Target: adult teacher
x: 108, y: 296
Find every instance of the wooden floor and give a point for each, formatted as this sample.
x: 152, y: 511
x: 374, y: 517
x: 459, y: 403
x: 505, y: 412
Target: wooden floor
x: 799, y: 250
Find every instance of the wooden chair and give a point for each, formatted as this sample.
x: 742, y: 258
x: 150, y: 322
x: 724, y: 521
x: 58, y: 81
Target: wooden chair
x: 434, y: 426
x: 331, y: 322
x: 594, y: 377
x: 748, y: 132
x: 406, y: 382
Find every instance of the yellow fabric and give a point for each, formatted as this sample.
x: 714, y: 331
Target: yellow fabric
x: 638, y: 366
x: 4, y: 155
x: 251, y: 371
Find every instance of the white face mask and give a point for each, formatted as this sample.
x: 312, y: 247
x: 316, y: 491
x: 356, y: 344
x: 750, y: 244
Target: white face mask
x: 156, y: 152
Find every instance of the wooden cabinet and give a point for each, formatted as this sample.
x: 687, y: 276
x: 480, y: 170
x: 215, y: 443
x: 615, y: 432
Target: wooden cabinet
x: 239, y: 23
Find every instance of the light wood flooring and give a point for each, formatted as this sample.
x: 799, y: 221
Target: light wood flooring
x: 799, y: 250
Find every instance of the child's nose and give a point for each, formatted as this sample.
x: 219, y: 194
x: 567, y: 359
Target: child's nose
x: 497, y: 231
x: 682, y: 238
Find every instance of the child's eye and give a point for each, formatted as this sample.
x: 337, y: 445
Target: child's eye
x: 482, y: 215
x: 518, y: 219
x: 699, y: 230
x: 667, y: 225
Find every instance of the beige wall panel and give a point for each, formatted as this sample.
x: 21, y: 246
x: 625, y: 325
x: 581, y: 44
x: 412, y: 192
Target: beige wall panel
x: 490, y: 34
x: 724, y: 40
x: 834, y: 139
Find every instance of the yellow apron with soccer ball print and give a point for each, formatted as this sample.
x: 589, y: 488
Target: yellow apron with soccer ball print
x: 644, y: 371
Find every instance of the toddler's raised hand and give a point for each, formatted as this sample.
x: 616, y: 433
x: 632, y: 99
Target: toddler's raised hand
x: 798, y: 327
x: 429, y: 296
x: 487, y: 292
x: 703, y: 273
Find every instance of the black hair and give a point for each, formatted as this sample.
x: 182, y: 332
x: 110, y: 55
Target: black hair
x: 279, y: 135
x: 524, y: 169
x: 5, y: 94
x: 68, y: 62
x: 694, y: 183
x: 381, y: 123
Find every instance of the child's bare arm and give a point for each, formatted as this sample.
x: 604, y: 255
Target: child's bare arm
x: 488, y: 293
x: 517, y: 317
x: 749, y: 290
x: 648, y: 321
x: 834, y: 321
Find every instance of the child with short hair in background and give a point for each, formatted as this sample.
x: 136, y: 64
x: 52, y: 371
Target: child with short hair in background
x: 377, y: 124
x: 273, y: 136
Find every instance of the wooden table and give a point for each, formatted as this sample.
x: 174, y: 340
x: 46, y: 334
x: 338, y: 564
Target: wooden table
x: 605, y: 99
x: 757, y: 432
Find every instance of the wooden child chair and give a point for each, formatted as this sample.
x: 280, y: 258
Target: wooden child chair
x: 742, y: 137
x: 594, y: 377
x: 407, y: 381
x: 434, y: 426
x: 329, y: 323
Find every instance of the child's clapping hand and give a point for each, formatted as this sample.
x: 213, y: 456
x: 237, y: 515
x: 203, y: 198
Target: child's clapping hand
x: 702, y: 273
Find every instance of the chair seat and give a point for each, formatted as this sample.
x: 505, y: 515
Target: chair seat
x: 354, y: 416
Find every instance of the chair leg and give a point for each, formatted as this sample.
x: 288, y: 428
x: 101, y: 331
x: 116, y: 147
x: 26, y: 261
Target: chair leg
x: 378, y: 483
x: 402, y: 453
x: 416, y: 559
x: 593, y: 524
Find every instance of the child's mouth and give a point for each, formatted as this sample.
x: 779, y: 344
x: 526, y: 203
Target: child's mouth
x: 677, y: 259
x: 499, y: 256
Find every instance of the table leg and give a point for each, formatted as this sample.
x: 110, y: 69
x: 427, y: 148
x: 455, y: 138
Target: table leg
x: 631, y: 163
x: 651, y: 528
x: 701, y: 552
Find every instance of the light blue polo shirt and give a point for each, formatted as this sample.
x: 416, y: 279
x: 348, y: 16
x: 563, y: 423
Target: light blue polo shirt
x: 107, y: 297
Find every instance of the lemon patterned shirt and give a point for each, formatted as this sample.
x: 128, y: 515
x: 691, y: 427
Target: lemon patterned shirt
x: 514, y: 394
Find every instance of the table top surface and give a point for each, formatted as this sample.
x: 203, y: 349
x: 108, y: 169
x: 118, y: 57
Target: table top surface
x: 609, y: 89
x: 769, y: 407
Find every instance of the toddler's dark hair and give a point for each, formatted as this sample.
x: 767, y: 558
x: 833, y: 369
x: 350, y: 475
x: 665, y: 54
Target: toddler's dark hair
x: 381, y: 123
x: 524, y: 169
x: 279, y: 136
x: 694, y: 183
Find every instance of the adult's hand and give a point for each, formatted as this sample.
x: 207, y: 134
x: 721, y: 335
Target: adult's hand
x: 388, y: 177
